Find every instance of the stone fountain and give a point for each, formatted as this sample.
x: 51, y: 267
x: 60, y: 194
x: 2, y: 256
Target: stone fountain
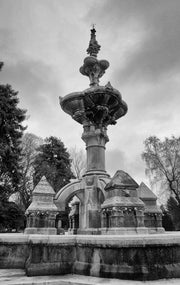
x: 106, y: 206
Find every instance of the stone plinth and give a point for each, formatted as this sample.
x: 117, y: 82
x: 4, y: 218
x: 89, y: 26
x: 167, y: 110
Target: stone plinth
x: 122, y: 211
x: 41, y: 213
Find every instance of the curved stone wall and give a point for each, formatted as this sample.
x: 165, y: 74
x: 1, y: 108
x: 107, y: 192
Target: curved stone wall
x: 137, y: 257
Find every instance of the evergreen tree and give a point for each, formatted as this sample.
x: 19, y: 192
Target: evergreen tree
x: 53, y: 161
x: 173, y: 208
x: 167, y: 221
x: 1, y: 65
x: 11, y: 131
x: 11, y: 217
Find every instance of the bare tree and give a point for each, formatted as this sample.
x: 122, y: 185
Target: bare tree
x: 163, y: 163
x: 29, y: 145
x: 78, y: 163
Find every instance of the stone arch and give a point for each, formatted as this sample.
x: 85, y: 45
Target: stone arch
x: 68, y: 191
x: 77, y: 188
x: 80, y: 188
x: 79, y: 193
x: 65, y: 194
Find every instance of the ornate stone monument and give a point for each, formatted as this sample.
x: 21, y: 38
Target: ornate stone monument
x: 104, y: 206
x: 41, y: 213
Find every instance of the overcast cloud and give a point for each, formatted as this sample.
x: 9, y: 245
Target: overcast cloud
x: 43, y: 44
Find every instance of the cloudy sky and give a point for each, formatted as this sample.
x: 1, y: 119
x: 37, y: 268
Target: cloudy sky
x: 43, y: 44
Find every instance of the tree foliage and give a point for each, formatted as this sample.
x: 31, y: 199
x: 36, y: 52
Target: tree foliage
x: 162, y: 158
x: 167, y: 220
x: 53, y: 161
x: 173, y: 208
x: 11, y: 131
x: 11, y: 217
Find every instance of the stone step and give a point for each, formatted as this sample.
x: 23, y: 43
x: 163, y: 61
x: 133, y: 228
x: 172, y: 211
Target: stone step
x: 18, y: 277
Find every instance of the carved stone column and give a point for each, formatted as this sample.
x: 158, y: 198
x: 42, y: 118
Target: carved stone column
x: 74, y: 218
x: 95, y: 139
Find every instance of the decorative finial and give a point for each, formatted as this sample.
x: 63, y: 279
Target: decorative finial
x: 92, y: 67
x: 94, y: 47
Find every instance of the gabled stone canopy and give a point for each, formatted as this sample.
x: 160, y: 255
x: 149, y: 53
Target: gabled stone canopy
x: 121, y: 180
x: 42, y: 197
x: 145, y: 193
x: 43, y: 187
x: 149, y: 199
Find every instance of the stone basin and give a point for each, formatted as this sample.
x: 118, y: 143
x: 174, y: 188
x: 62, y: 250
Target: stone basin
x: 135, y: 257
x: 98, y: 103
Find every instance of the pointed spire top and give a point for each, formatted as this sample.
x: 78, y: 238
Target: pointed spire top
x: 121, y: 180
x: 93, y: 47
x: 43, y: 187
x: 145, y: 192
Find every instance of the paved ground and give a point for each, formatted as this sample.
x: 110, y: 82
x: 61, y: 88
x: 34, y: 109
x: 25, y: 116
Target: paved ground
x: 18, y: 277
